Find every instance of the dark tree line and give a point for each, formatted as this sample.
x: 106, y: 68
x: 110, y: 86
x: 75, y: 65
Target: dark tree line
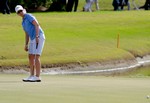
x: 52, y: 5
x: 33, y: 5
x: 29, y: 4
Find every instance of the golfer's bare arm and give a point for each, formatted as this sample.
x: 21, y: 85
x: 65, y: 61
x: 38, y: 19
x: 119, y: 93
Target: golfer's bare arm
x: 36, y: 27
x: 26, y: 39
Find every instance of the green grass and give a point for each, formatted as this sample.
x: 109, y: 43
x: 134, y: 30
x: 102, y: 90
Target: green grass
x: 74, y: 37
x: 139, y: 72
x: 74, y: 89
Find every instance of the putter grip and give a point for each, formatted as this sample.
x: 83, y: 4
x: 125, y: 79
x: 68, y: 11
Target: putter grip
x: 36, y: 45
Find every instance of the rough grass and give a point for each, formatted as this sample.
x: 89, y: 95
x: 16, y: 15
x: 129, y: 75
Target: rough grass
x: 74, y: 37
x: 139, y: 72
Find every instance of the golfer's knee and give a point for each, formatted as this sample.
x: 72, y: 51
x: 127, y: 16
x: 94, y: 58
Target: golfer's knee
x: 37, y: 58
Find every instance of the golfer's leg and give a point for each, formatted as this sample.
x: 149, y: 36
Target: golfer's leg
x: 38, y: 65
x: 7, y: 7
x: 97, y: 4
x: 76, y: 5
x: 31, y: 62
x: 90, y: 6
x: 128, y: 4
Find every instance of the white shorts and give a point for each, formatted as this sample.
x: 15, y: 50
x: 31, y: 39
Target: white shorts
x: 39, y: 49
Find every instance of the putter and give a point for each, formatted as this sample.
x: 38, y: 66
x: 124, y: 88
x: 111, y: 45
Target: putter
x: 35, y: 53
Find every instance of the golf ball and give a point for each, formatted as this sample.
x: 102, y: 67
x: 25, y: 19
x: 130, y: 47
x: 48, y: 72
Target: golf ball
x: 147, y: 96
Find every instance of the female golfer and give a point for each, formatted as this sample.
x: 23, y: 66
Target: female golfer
x: 34, y: 34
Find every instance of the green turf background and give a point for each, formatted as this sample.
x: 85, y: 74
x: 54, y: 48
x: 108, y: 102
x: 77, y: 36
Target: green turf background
x: 74, y: 37
x: 79, y: 37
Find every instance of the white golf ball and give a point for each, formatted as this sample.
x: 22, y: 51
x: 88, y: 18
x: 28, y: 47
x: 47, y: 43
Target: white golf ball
x: 147, y: 96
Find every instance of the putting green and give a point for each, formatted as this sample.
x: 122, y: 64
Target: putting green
x: 74, y: 89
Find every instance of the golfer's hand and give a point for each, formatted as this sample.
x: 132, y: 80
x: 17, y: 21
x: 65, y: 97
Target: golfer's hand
x: 26, y: 48
x: 37, y: 40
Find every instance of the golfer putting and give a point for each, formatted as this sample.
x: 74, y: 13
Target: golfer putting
x: 34, y: 43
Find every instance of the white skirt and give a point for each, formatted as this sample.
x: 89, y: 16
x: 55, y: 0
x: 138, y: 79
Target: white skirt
x: 36, y: 49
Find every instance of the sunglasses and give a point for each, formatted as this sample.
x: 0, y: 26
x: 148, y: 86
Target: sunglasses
x: 19, y: 11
